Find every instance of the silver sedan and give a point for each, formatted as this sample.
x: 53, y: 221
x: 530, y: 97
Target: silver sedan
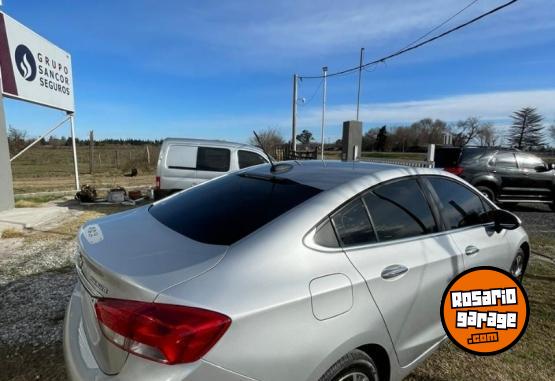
x: 299, y: 271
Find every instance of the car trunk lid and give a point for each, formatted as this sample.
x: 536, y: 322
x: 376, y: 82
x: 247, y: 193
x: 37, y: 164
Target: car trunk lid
x: 132, y: 256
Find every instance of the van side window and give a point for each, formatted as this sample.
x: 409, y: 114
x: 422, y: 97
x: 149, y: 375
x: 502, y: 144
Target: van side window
x: 213, y: 159
x: 459, y: 206
x: 248, y: 159
x: 181, y: 157
x: 353, y: 224
x: 399, y: 210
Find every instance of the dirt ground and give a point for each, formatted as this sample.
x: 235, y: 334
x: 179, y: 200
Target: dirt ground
x: 37, y: 277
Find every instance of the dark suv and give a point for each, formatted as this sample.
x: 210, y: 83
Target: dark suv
x: 505, y: 176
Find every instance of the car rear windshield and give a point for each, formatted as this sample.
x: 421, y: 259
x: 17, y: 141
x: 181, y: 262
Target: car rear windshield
x: 225, y: 210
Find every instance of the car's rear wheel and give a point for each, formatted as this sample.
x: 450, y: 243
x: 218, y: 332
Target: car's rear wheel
x: 354, y: 366
x: 519, y: 265
x: 487, y: 192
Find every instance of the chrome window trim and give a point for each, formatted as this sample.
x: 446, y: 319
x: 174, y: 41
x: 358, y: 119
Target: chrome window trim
x: 308, y: 239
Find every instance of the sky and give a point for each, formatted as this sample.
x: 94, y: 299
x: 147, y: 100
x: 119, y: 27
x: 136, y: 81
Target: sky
x: 220, y: 69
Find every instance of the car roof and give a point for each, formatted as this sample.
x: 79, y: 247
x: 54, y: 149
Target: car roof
x: 217, y: 143
x: 329, y: 174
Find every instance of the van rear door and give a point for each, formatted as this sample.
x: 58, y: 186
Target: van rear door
x: 179, y: 167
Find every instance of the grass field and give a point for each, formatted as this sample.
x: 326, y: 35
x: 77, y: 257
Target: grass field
x: 46, y: 168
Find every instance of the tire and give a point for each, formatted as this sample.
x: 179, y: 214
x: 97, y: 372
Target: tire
x: 354, y: 366
x: 487, y: 192
x: 518, y: 267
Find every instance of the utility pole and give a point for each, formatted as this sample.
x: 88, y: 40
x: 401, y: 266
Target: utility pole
x: 359, y: 80
x: 294, y: 121
x: 325, y: 72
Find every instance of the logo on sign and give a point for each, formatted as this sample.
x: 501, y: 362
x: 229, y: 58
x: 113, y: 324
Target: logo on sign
x: 25, y: 63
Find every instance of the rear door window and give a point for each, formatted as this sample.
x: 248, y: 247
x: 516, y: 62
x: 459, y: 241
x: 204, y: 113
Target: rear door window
x: 353, y: 224
x: 505, y: 160
x: 399, y: 210
x: 459, y: 206
x: 213, y: 159
x: 181, y: 157
x: 224, y: 210
x: 248, y: 159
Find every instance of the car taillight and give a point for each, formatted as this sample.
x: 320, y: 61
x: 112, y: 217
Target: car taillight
x: 165, y: 333
x: 158, y: 182
x: 455, y: 170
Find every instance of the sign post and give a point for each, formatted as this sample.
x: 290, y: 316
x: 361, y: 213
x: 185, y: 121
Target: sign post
x: 33, y: 70
x: 6, y: 187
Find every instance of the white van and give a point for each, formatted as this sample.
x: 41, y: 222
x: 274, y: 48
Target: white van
x: 186, y: 162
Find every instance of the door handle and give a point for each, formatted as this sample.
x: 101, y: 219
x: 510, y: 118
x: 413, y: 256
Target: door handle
x: 471, y: 250
x: 393, y: 271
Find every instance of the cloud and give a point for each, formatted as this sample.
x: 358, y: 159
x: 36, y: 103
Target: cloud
x: 494, y: 106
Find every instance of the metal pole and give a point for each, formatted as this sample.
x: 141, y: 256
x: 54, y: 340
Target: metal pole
x: 6, y: 185
x: 76, y: 169
x: 325, y: 70
x: 39, y: 139
x: 359, y: 80
x: 294, y: 121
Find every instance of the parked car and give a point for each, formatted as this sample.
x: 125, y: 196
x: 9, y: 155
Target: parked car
x: 504, y: 176
x: 299, y: 271
x: 186, y: 162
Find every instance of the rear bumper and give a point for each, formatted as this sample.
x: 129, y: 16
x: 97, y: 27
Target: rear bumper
x: 81, y: 365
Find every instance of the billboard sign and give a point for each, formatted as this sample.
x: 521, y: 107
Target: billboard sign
x: 33, y: 69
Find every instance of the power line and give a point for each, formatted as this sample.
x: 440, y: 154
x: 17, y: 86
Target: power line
x: 413, y: 47
x: 440, y: 25
x: 305, y: 102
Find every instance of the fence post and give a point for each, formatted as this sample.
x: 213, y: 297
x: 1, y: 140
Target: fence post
x: 91, y: 151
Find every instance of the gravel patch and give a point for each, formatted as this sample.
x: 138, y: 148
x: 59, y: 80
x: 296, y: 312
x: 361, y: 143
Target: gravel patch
x: 30, y: 256
x: 32, y: 308
x: 537, y: 218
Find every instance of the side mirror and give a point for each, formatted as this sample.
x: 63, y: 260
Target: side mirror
x: 503, y: 219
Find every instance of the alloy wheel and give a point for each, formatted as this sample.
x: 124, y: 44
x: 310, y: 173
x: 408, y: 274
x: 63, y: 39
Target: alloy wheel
x: 517, y: 267
x: 355, y: 376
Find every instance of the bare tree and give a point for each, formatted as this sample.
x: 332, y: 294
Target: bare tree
x: 552, y: 131
x: 270, y: 139
x: 466, y: 131
x: 17, y: 140
x: 487, y: 135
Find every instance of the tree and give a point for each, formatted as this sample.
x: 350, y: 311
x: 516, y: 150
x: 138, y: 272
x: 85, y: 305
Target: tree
x: 270, y: 138
x: 466, y: 131
x: 486, y: 135
x: 381, y: 139
x: 527, y: 128
x: 17, y: 140
x: 369, y: 139
x: 305, y: 137
x: 552, y: 131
